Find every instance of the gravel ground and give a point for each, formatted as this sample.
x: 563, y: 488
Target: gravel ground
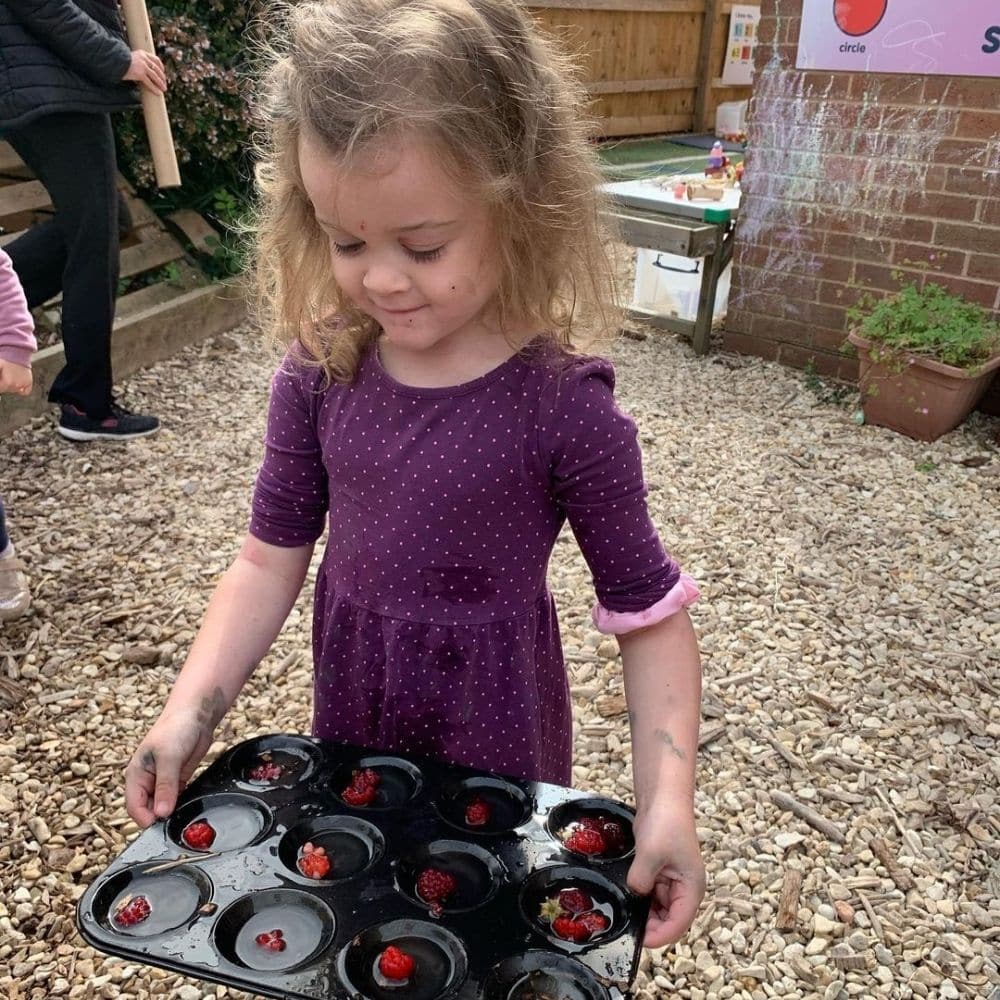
x: 848, y: 798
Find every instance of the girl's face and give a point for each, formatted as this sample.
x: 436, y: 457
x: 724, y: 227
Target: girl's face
x: 408, y: 248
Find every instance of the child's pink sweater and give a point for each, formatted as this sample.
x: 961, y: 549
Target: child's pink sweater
x: 17, y: 328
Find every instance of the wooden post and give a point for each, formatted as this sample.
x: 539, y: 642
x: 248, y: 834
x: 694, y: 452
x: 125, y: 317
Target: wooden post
x: 154, y: 107
x: 704, y: 70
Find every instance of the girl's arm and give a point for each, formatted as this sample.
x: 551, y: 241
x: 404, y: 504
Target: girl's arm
x: 662, y: 672
x: 243, y: 619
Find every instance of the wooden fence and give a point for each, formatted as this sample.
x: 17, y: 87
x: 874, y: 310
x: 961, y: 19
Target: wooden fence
x: 651, y: 65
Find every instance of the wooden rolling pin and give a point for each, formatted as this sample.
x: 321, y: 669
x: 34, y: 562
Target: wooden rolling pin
x: 154, y: 107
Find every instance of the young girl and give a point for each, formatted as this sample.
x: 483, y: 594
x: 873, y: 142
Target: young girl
x: 428, y: 183
x: 17, y: 343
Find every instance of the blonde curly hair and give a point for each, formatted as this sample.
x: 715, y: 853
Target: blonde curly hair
x: 502, y: 105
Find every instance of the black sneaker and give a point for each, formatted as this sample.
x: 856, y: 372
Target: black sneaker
x: 119, y: 425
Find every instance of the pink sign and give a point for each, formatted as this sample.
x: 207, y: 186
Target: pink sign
x: 942, y: 37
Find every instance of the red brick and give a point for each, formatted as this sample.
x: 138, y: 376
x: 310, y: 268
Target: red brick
x: 989, y: 212
x: 983, y: 293
x: 821, y: 316
x: 801, y: 356
x: 901, y: 227
x: 960, y: 152
x: 830, y: 339
x: 836, y: 269
x: 850, y: 244
x: 940, y: 206
x: 888, y: 89
x: 775, y: 328
x: 741, y: 343
x: 978, y: 124
x: 985, y: 267
x: 962, y: 92
x: 977, y: 239
x: 874, y: 276
x: 738, y: 319
x: 932, y: 258
x: 767, y: 30
x: 974, y: 181
x: 835, y: 294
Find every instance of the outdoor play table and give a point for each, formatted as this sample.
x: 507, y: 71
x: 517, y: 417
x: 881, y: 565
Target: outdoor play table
x: 650, y: 216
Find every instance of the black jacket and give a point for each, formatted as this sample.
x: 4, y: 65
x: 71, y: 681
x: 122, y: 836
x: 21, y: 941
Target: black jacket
x: 61, y: 55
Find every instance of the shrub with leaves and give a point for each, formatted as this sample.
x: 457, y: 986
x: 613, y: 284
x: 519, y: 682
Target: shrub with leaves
x: 205, y: 51
x: 929, y: 322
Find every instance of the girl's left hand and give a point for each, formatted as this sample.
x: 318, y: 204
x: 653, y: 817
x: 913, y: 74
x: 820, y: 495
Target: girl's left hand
x: 15, y: 378
x: 667, y: 864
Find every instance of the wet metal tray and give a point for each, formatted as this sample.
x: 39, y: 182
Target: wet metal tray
x: 524, y: 903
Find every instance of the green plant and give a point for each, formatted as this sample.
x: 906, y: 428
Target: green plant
x: 928, y: 322
x: 206, y: 48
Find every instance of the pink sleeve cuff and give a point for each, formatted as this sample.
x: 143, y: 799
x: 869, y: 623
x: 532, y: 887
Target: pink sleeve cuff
x: 681, y: 595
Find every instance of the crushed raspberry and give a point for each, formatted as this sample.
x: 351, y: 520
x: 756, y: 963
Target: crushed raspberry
x: 575, y: 901
x: 266, y: 770
x: 198, y: 835
x: 614, y: 837
x: 132, y: 910
x: 477, y: 812
x: 586, y: 841
x: 361, y: 791
x: 434, y: 887
x: 594, y: 922
x: 314, y: 863
x: 272, y: 940
x: 570, y: 929
x: 396, y: 964
x: 572, y: 915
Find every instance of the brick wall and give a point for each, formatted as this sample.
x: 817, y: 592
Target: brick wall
x: 851, y: 176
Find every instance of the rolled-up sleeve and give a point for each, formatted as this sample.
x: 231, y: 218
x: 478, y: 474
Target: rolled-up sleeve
x: 290, y: 497
x: 596, y: 472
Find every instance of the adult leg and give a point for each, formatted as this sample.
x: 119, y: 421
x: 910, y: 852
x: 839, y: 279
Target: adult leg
x: 73, y: 155
x: 15, y: 597
x: 4, y: 539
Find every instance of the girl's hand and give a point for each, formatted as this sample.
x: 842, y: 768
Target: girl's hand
x: 146, y: 69
x: 161, y: 766
x: 15, y: 378
x: 668, y: 864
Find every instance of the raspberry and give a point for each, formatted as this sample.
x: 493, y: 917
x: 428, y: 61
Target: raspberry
x: 575, y: 900
x: 570, y: 929
x: 591, y: 823
x: 614, y: 837
x: 267, y: 770
x: 131, y: 910
x: 586, y: 841
x: 272, y: 940
x: 314, y: 863
x: 477, y: 812
x: 396, y: 964
x: 434, y: 887
x: 361, y: 790
x: 594, y: 922
x: 198, y: 835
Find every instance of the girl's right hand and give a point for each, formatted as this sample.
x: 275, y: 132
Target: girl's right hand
x: 146, y: 69
x: 162, y: 765
x: 15, y: 378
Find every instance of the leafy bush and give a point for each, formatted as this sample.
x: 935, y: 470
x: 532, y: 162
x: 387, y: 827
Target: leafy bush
x: 205, y: 51
x: 930, y: 322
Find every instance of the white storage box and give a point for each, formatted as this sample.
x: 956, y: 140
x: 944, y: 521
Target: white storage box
x: 731, y: 118
x: 669, y: 285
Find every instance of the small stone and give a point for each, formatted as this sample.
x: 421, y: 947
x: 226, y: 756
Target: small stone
x: 816, y: 946
x: 844, y: 911
x: 833, y: 990
x: 824, y: 927
x: 948, y: 990
x: 787, y: 840
x: 682, y: 967
x: 39, y: 829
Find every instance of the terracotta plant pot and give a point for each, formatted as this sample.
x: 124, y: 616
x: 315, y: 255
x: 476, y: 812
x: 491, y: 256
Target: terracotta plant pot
x: 925, y: 399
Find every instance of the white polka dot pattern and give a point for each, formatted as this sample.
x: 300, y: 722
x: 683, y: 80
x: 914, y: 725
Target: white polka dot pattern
x: 434, y: 631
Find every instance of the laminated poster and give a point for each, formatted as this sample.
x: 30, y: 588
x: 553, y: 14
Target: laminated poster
x: 931, y: 37
x: 738, y: 68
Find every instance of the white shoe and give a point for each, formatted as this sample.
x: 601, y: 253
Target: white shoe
x: 15, y: 597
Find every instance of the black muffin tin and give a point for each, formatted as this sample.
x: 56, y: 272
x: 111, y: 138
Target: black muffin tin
x: 489, y: 943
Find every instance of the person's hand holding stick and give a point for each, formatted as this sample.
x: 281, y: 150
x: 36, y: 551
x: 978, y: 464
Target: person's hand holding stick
x: 147, y: 70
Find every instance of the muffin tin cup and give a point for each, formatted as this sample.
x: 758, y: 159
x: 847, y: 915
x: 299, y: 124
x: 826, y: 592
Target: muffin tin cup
x: 245, y: 911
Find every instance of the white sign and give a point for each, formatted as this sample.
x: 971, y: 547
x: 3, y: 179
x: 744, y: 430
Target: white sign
x: 738, y: 68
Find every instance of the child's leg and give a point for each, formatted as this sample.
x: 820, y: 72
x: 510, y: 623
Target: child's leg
x: 14, y: 595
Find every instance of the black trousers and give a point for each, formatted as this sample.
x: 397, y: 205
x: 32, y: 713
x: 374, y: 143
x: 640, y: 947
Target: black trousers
x: 76, y: 252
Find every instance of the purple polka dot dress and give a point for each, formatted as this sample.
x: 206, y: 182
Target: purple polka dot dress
x: 434, y: 632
